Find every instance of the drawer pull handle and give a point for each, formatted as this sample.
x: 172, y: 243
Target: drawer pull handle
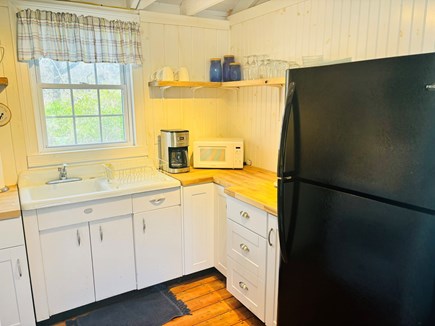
x: 244, y: 214
x: 244, y: 247
x: 243, y: 286
x: 268, y: 237
x: 78, y: 238
x: 144, y: 226
x: 20, y: 272
x: 88, y: 210
x: 101, y: 233
x: 157, y: 201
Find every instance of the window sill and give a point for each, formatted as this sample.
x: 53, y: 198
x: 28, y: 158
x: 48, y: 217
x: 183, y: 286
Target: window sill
x: 85, y: 156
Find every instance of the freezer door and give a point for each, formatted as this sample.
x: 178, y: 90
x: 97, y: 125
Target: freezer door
x: 368, y: 126
x: 356, y: 261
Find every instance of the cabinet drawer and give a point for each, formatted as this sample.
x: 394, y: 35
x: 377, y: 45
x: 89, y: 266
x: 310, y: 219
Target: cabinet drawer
x: 52, y: 217
x: 148, y: 201
x: 247, y: 248
x: 247, y: 215
x: 247, y: 288
x: 11, y: 233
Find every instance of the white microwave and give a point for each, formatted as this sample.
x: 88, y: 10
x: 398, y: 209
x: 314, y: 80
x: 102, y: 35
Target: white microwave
x: 218, y: 153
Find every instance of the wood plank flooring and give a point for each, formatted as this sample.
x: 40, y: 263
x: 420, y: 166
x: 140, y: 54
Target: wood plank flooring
x: 210, y: 303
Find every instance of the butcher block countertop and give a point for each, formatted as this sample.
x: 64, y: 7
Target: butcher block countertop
x: 251, y: 185
x: 9, y: 204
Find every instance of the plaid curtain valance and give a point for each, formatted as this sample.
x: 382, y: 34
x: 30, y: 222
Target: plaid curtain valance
x: 68, y: 37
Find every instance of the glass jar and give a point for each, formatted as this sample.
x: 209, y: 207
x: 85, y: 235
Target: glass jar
x: 228, y: 59
x: 215, y: 70
x: 235, y: 71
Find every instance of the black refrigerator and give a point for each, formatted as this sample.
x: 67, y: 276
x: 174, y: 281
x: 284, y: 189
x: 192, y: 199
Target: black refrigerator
x: 356, y: 194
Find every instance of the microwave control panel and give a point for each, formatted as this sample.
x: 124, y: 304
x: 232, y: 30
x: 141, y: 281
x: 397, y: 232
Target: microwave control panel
x: 238, y: 157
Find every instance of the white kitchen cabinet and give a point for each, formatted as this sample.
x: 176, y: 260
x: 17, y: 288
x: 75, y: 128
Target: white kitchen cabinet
x: 16, y: 306
x: 113, y: 256
x: 67, y: 260
x: 253, y: 259
x: 158, y: 243
x: 198, y: 222
x: 86, y: 250
x: 88, y: 261
x: 220, y: 230
x: 273, y: 261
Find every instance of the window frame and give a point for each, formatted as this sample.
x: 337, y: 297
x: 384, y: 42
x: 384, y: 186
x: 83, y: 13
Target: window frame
x: 41, y: 126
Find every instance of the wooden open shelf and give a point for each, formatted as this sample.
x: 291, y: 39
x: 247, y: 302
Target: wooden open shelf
x: 236, y: 84
x: 191, y: 84
x: 257, y: 82
x: 3, y: 83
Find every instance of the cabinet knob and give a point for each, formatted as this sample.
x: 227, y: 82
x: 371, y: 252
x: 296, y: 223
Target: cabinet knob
x: 157, y: 201
x: 244, y: 214
x: 88, y: 210
x: 20, y: 272
x: 244, y: 247
x: 101, y: 233
x: 268, y: 237
x: 243, y: 286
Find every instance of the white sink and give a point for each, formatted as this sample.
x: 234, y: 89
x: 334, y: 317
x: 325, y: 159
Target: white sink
x: 76, y: 188
x: 35, y: 193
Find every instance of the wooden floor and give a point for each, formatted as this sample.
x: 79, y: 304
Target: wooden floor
x: 210, y: 303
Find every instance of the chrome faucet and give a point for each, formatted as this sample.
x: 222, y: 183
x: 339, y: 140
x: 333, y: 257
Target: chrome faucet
x: 62, y: 172
x: 63, y: 176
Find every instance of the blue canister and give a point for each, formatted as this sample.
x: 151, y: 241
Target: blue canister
x: 215, y: 70
x: 229, y: 58
x: 235, y: 71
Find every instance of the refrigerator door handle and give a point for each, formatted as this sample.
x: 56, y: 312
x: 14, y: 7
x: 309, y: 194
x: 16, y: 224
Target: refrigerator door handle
x: 286, y: 215
x: 283, y: 154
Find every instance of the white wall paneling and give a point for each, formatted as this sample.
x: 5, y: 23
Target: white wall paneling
x: 336, y: 29
x: 176, y: 44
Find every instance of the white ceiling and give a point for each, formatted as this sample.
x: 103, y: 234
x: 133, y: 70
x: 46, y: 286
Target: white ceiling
x: 218, y: 9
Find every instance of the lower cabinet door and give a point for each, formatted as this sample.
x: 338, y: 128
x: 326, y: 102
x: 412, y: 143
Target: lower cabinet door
x: 273, y: 260
x: 16, y: 306
x: 158, y: 245
x: 113, y: 256
x: 67, y: 260
x: 198, y: 222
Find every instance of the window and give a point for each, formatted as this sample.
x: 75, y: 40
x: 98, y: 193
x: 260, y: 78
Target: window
x: 83, y: 105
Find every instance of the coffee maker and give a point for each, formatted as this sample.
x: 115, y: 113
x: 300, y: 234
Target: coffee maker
x: 174, y: 145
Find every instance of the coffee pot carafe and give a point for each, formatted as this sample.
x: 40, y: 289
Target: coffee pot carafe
x: 174, y: 155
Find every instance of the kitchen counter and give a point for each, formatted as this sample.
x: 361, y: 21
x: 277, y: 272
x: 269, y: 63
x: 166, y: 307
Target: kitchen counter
x: 9, y: 204
x: 252, y: 185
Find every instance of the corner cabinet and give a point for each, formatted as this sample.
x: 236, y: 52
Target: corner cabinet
x: 198, y: 223
x: 16, y: 306
x: 220, y: 230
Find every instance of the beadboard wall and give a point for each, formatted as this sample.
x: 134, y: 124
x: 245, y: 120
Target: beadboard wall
x: 188, y: 42
x: 360, y: 29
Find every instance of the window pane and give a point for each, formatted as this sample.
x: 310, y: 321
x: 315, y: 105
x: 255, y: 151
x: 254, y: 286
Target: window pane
x: 60, y: 132
x: 111, y: 101
x: 108, y: 74
x: 82, y: 73
x: 85, y: 101
x: 53, y: 72
x: 113, y: 129
x: 88, y: 130
x: 57, y: 102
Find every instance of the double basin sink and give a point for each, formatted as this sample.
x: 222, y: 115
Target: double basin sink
x: 36, y: 193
